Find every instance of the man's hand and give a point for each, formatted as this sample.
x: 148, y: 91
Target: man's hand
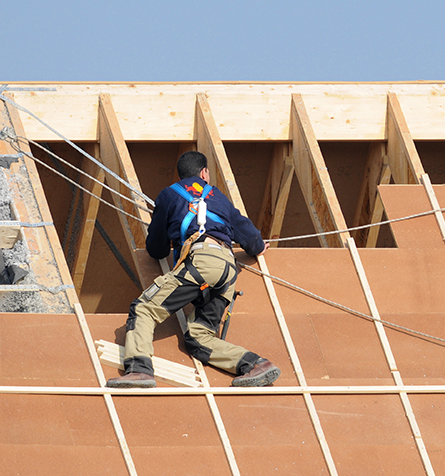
x: 266, y: 246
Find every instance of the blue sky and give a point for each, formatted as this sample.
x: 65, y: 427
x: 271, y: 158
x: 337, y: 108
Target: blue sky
x: 196, y: 40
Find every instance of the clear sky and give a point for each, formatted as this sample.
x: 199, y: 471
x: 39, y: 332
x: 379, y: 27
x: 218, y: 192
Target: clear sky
x: 224, y: 40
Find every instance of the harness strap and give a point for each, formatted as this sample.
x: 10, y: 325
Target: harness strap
x: 192, y: 210
x: 209, y: 292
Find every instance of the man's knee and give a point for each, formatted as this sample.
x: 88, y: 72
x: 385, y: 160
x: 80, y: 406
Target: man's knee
x: 196, y: 349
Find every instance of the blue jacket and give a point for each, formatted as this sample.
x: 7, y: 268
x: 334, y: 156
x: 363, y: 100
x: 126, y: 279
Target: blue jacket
x: 171, y: 208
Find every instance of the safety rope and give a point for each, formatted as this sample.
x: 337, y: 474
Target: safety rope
x: 361, y: 227
x: 337, y: 305
x: 50, y: 152
x: 78, y: 185
x: 79, y: 149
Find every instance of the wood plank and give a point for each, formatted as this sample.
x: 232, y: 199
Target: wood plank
x: 390, y: 356
x: 48, y: 261
x: 272, y: 390
x: 246, y: 110
x: 114, y: 154
x: 107, y: 397
x: 377, y: 210
x: 314, y: 179
x: 90, y: 210
x: 281, y: 203
x: 213, y: 143
x: 279, y: 154
x: 404, y: 160
x: 368, y: 191
x: 9, y: 234
x: 434, y: 203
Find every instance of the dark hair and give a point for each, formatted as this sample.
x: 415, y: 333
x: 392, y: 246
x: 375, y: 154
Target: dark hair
x: 190, y: 164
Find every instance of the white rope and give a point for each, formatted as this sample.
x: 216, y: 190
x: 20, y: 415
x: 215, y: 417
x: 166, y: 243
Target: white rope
x: 361, y: 227
x: 339, y: 306
x: 72, y: 144
x: 77, y: 185
x: 50, y: 152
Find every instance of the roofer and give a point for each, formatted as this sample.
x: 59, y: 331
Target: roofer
x: 204, y: 275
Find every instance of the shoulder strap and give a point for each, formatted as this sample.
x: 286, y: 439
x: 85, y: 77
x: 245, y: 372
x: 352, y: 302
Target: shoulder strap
x: 189, y: 217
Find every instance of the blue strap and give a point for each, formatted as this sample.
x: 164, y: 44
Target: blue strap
x: 190, y: 215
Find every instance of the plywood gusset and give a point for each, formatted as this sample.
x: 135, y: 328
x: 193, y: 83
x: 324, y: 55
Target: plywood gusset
x: 314, y: 179
x: 114, y: 154
x: 404, y: 160
x: 390, y: 357
x: 44, y: 243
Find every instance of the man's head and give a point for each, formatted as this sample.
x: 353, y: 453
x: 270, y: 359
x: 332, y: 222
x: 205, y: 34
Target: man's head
x: 190, y: 164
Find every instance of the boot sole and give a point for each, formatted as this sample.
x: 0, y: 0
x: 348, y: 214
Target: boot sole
x: 132, y: 384
x: 260, y: 380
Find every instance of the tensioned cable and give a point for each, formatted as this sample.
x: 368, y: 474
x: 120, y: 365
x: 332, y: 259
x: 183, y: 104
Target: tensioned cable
x: 337, y: 305
x: 50, y: 152
x: 361, y: 227
x: 72, y: 144
x: 77, y: 185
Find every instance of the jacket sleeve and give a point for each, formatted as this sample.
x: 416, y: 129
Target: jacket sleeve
x: 157, y: 242
x: 246, y: 234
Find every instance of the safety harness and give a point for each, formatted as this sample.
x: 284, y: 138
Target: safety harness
x: 198, y: 208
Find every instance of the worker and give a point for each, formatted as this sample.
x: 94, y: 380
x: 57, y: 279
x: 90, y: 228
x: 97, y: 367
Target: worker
x: 204, y: 275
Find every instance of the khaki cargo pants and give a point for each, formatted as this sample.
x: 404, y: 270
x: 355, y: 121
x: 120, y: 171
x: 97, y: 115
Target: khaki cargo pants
x: 173, y: 291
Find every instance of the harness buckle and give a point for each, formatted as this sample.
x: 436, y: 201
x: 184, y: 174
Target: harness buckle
x: 204, y: 286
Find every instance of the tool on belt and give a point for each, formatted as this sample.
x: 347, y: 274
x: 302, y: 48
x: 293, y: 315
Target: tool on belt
x: 226, y: 320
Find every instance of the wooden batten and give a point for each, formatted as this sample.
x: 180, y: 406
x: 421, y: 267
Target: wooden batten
x: 314, y: 179
x: 114, y: 154
x: 404, y: 160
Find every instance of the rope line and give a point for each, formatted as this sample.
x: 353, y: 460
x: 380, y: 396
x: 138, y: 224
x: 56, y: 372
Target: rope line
x: 77, y: 185
x: 72, y: 144
x: 50, y: 152
x: 361, y: 227
x: 339, y: 306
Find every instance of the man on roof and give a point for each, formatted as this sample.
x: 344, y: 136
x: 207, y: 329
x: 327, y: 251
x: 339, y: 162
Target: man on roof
x: 201, y: 224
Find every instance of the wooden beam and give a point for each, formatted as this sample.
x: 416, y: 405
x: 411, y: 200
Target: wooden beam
x: 281, y: 203
x: 404, y: 160
x: 376, y: 162
x: 210, y: 144
x: 279, y: 154
x: 207, y: 390
x: 389, y: 356
x: 434, y: 203
x: 314, y: 178
x: 9, y: 234
x: 377, y: 210
x: 90, y: 206
x: 47, y: 258
x: 246, y: 110
x: 114, y: 154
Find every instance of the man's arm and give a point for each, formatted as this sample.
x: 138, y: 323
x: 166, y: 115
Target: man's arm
x: 157, y: 242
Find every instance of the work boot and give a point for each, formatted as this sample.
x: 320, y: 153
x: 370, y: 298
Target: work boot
x: 133, y: 379
x: 263, y: 373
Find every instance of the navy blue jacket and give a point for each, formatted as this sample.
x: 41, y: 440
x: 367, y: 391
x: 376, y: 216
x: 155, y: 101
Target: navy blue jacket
x: 171, y: 208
